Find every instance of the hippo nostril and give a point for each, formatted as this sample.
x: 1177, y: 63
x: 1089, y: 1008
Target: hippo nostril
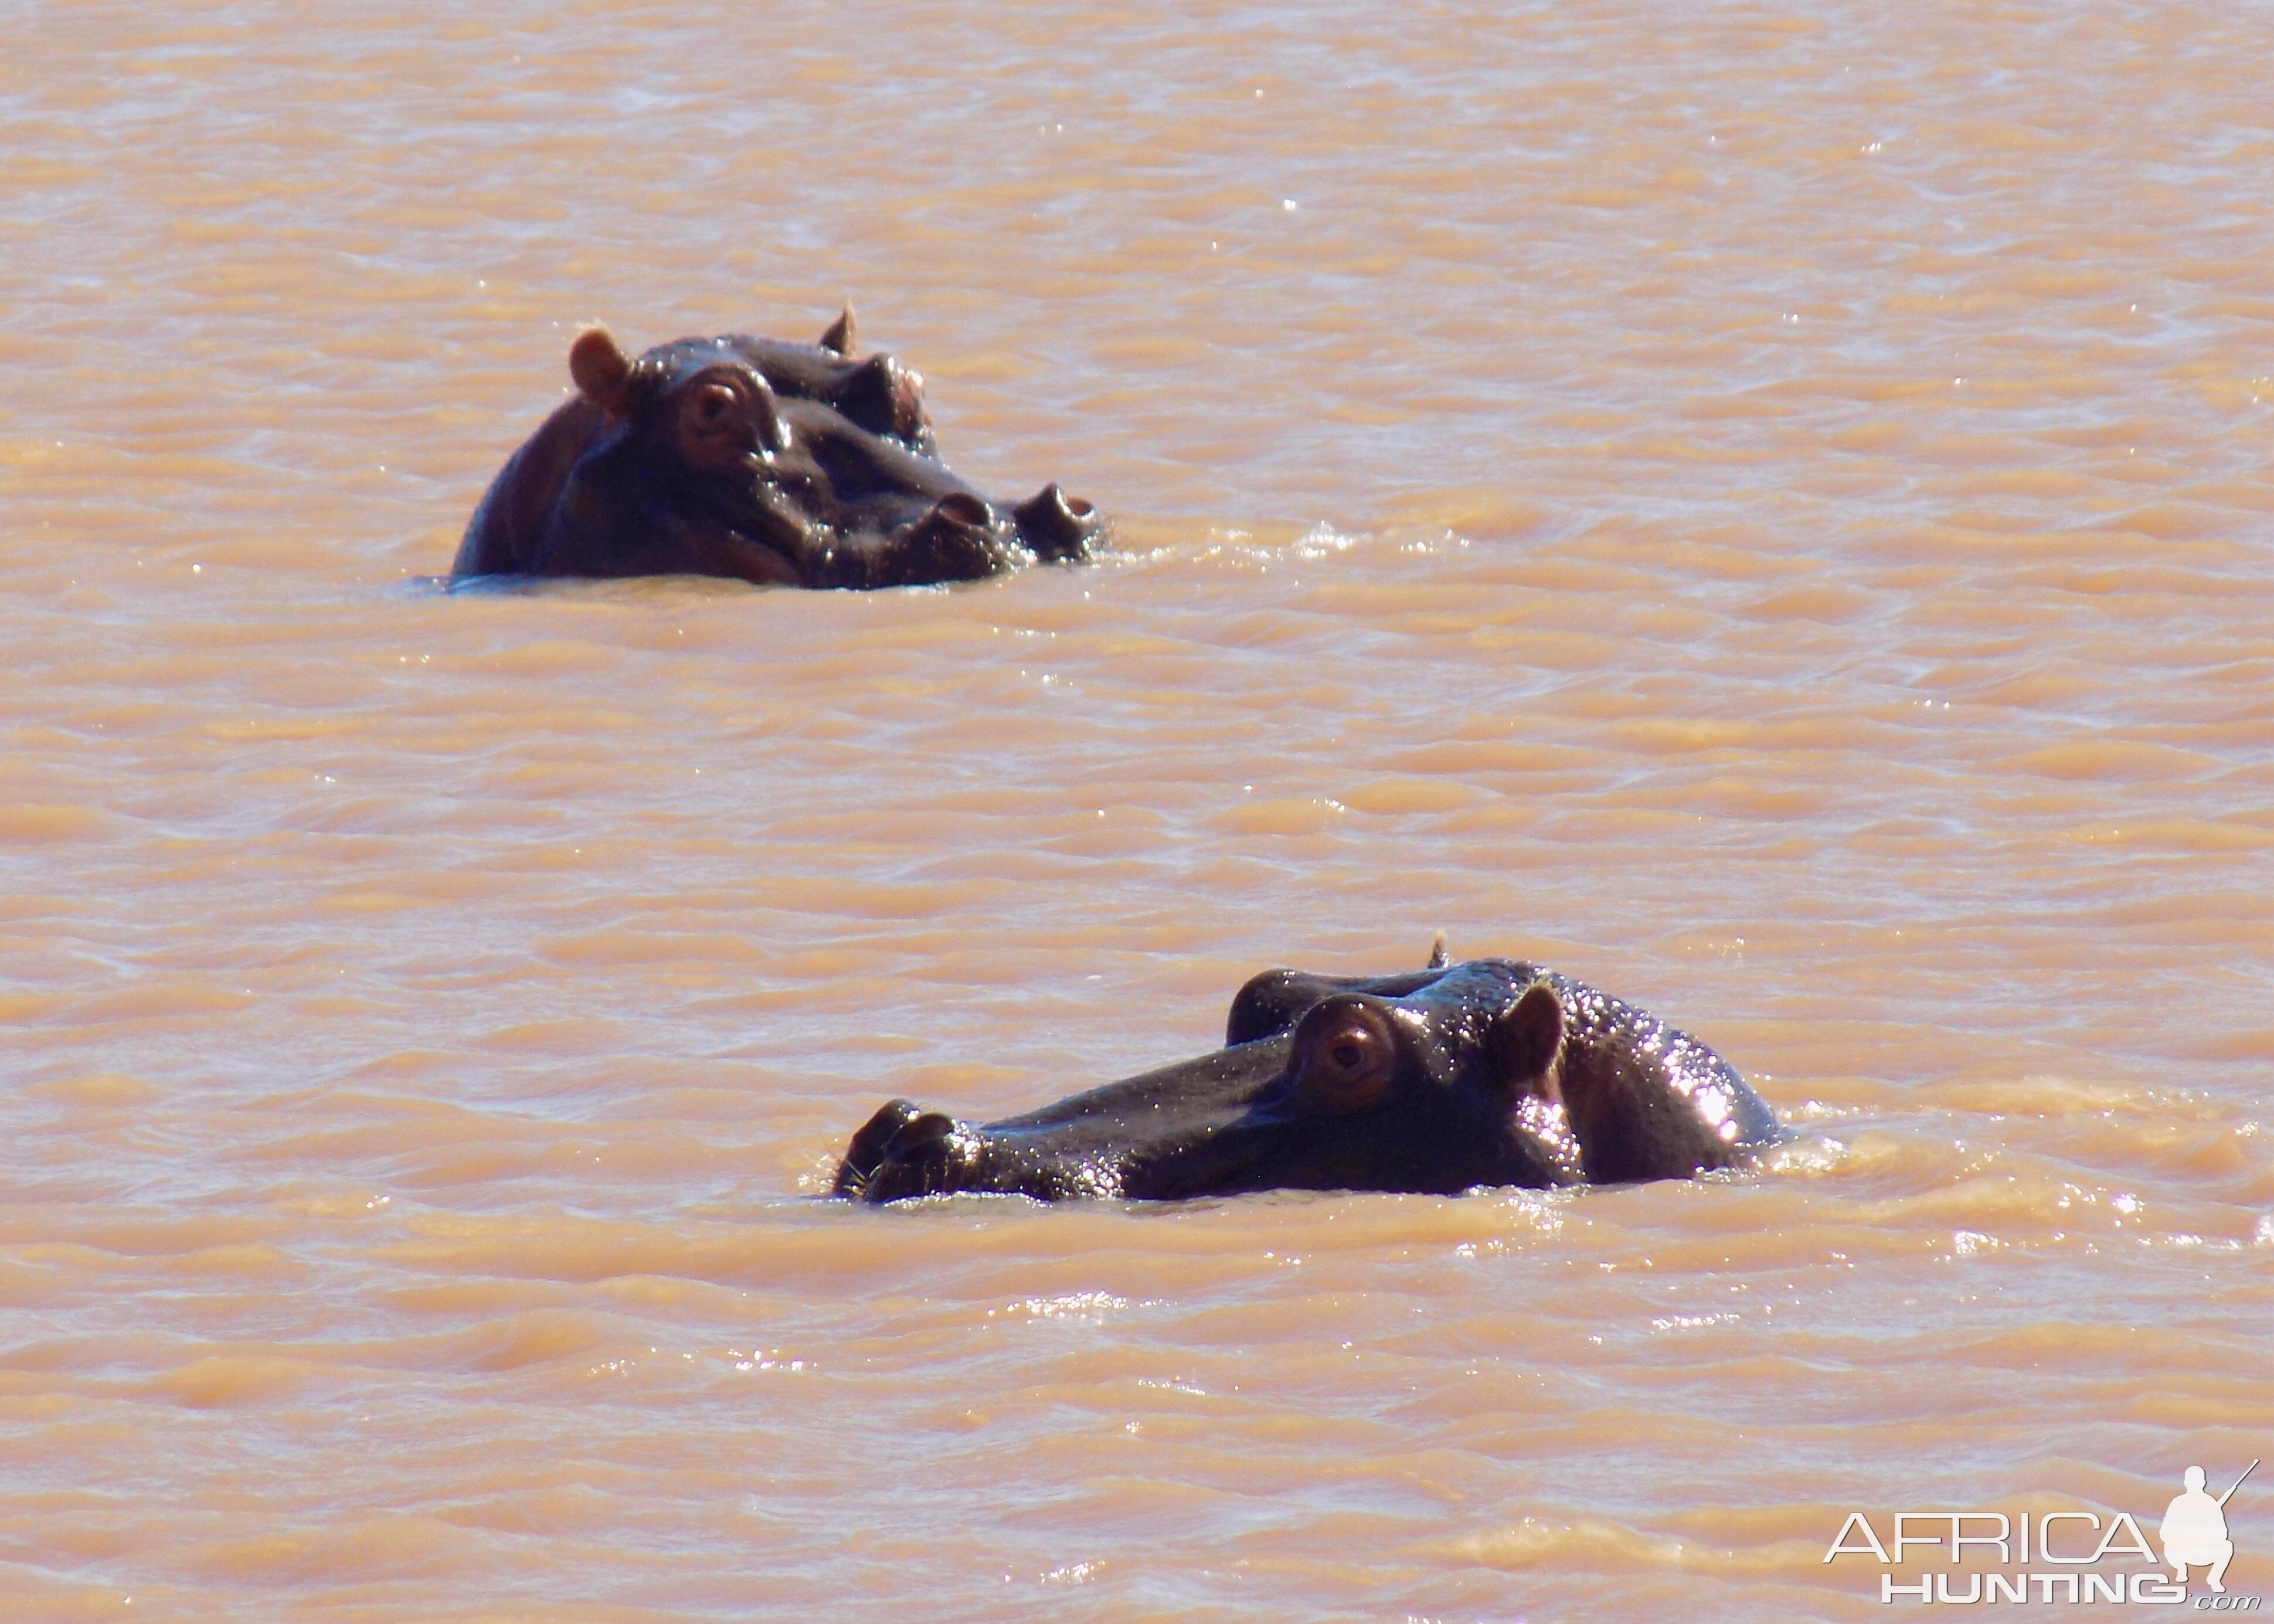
x: 963, y: 507
x: 1056, y: 525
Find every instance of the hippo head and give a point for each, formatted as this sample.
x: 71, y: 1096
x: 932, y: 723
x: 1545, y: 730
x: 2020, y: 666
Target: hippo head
x: 1488, y: 1072
x: 753, y: 458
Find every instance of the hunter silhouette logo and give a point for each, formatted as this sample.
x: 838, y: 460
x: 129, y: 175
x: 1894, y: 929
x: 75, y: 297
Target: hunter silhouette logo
x: 2194, y: 1530
x: 2193, y: 1534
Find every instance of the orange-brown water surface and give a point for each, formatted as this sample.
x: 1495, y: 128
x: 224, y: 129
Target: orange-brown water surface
x: 1765, y: 509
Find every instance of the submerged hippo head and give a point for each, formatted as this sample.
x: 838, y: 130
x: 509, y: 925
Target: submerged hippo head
x: 1488, y: 1072
x: 756, y: 459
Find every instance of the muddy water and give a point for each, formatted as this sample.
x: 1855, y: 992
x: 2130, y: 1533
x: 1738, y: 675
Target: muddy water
x: 1765, y: 510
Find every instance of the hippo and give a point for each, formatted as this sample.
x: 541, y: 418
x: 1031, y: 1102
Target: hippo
x: 756, y: 459
x: 1487, y: 1072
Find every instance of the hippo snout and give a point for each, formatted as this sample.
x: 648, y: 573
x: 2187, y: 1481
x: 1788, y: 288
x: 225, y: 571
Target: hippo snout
x: 903, y: 1151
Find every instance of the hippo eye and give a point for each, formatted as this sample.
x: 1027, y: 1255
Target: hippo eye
x: 714, y: 403
x: 726, y: 415
x: 1345, y: 1059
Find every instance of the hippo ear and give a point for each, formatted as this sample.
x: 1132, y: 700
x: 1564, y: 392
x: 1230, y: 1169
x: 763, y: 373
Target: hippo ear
x: 1524, y: 1041
x: 1441, y: 952
x: 602, y: 374
x: 843, y: 333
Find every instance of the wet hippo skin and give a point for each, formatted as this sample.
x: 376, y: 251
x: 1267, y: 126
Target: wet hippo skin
x: 777, y: 462
x: 1487, y: 1072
